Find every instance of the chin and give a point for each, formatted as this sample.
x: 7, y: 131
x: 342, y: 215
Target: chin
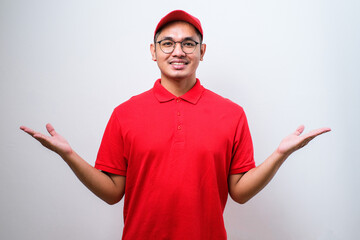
x: 179, y: 75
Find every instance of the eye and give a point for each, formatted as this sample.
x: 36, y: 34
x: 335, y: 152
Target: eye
x: 167, y: 43
x: 189, y: 44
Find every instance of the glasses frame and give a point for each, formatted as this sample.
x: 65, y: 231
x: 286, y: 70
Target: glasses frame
x: 181, y: 45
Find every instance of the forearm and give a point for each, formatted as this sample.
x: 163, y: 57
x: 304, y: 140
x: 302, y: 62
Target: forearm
x: 243, y: 187
x: 109, y: 188
x: 96, y: 181
x: 253, y: 181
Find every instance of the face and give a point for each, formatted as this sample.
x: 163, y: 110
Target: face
x: 178, y: 65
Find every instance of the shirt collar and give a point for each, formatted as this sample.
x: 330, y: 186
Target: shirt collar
x: 192, y: 96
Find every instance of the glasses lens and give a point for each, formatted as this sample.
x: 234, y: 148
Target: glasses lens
x: 188, y: 46
x: 167, y: 46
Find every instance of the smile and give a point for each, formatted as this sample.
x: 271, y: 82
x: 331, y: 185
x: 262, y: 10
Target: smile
x: 178, y: 63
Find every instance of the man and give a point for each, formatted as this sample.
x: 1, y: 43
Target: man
x: 177, y: 150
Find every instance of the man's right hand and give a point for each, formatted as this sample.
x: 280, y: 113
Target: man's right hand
x: 54, y: 142
x: 109, y: 187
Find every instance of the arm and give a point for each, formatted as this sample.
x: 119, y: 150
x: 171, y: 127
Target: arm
x: 108, y: 187
x: 242, y: 187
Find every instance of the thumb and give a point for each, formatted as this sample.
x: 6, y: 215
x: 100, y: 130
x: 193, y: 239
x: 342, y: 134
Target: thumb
x: 299, y: 130
x: 50, y: 129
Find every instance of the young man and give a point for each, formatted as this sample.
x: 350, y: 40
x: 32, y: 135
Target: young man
x: 177, y: 150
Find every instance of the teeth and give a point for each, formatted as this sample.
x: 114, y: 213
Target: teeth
x: 175, y: 63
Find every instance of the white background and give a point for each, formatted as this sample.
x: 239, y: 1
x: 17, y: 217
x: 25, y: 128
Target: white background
x: 286, y: 62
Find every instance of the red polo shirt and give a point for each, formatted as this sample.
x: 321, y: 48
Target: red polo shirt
x: 176, y: 154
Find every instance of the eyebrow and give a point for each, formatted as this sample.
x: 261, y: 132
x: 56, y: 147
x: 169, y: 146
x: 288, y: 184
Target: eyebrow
x: 170, y: 38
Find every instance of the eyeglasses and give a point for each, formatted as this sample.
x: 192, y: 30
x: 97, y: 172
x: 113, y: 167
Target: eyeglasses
x: 167, y: 45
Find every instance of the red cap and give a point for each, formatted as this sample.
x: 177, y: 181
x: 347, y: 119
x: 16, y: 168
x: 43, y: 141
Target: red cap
x: 179, y: 15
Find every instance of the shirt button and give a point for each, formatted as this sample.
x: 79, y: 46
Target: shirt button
x: 178, y: 100
x: 178, y: 113
x: 179, y: 127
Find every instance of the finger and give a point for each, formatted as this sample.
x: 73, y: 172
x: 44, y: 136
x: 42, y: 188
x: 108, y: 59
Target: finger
x: 50, y: 129
x: 28, y: 130
x: 37, y: 135
x: 43, y: 139
x: 299, y: 130
x: 314, y: 133
x: 306, y: 141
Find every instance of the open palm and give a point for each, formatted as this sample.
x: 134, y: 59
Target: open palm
x: 296, y: 141
x: 54, y: 142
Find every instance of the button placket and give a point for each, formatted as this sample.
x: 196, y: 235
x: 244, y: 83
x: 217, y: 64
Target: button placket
x: 179, y: 135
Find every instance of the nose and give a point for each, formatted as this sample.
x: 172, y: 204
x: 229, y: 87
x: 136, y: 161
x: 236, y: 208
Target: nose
x: 178, y: 50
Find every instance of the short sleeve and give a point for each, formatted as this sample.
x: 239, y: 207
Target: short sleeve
x: 243, y: 152
x: 110, y: 157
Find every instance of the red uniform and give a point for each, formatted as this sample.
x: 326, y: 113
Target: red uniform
x: 176, y: 154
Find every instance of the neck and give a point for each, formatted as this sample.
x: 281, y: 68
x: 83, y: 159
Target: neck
x: 178, y: 87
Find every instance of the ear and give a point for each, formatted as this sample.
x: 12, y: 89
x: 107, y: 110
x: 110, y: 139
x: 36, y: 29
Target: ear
x: 202, y: 51
x: 153, y: 52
